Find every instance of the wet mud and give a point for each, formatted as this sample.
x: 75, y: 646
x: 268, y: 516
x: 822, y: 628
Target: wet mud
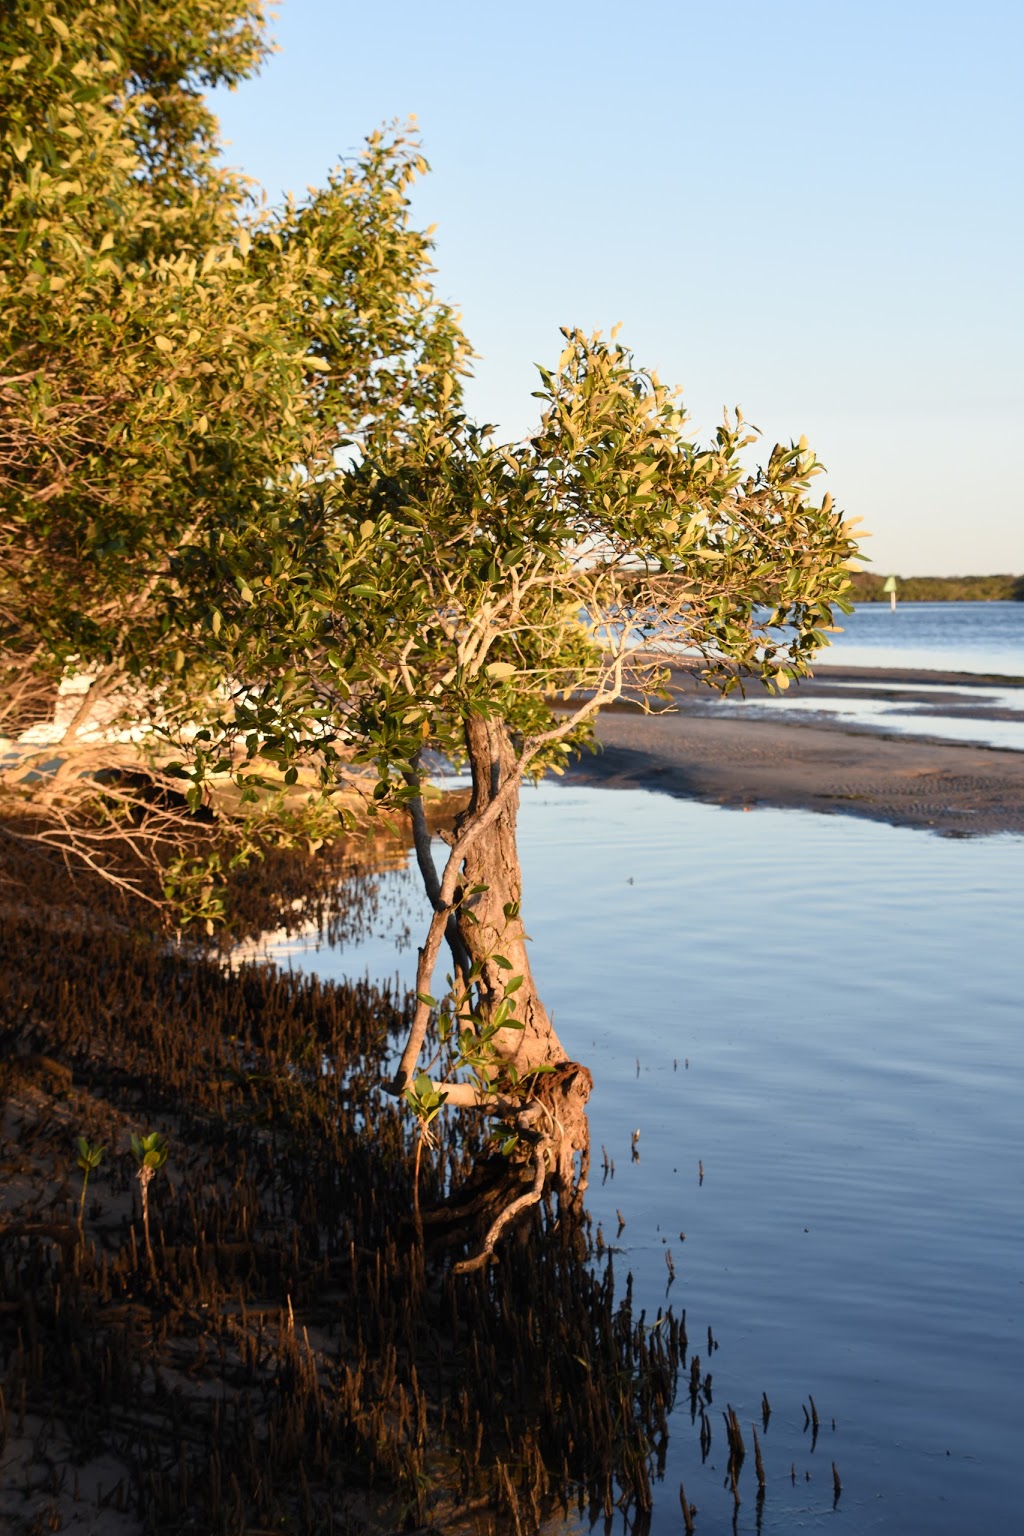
x: 704, y: 749
x: 293, y: 1353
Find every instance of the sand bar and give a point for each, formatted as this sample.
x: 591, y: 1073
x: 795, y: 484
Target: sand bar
x: 707, y: 749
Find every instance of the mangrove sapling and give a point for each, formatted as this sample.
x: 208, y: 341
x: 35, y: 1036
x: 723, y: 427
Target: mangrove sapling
x: 150, y: 1153
x: 88, y: 1159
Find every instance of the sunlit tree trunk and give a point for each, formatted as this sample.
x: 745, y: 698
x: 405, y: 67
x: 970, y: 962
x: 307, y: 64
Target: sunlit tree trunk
x: 490, y: 926
x: 476, y: 903
x: 489, y: 922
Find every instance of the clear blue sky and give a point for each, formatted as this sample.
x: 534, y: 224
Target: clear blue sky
x: 812, y: 210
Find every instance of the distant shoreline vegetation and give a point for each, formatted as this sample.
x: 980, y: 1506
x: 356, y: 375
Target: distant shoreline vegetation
x: 868, y: 588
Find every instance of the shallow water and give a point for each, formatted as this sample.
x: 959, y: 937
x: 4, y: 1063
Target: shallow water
x: 981, y: 716
x: 825, y: 1014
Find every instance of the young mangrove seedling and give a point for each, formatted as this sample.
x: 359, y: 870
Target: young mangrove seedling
x: 150, y: 1153
x: 89, y: 1158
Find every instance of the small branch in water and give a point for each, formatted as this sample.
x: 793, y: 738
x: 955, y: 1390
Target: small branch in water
x: 417, y: 1217
x: 428, y: 869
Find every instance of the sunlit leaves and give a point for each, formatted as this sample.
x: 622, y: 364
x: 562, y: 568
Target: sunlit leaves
x: 239, y: 484
x: 178, y: 369
x: 505, y: 577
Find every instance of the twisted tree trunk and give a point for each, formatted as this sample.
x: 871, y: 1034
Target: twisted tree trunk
x: 476, y: 907
x: 491, y: 928
x: 489, y: 922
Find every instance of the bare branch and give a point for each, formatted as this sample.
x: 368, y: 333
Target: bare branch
x: 428, y: 870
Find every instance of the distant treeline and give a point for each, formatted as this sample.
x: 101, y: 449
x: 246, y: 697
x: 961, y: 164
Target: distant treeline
x: 868, y: 585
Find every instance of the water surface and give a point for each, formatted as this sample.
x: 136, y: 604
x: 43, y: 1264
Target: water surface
x: 825, y: 1015
x: 976, y: 715
x: 984, y: 638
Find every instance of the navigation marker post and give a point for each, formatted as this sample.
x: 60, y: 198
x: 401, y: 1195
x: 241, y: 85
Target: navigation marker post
x: 890, y: 587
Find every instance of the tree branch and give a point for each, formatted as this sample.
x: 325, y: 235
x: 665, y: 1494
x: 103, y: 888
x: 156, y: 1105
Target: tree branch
x: 471, y: 831
x: 428, y: 870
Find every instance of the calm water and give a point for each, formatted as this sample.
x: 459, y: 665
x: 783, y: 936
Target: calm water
x: 826, y: 1014
x: 985, y: 638
x: 978, y: 714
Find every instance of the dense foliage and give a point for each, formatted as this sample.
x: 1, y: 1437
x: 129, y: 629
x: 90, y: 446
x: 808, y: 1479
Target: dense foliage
x: 243, y: 505
x: 247, y: 521
x: 176, y: 360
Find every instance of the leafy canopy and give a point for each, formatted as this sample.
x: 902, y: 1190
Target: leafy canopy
x: 239, y: 490
x: 170, y: 352
x: 452, y: 576
x: 177, y: 361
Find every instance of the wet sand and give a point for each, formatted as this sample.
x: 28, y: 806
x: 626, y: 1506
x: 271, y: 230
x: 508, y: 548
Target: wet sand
x: 707, y: 749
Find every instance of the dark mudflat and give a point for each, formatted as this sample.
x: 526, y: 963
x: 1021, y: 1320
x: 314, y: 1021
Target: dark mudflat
x: 706, y: 750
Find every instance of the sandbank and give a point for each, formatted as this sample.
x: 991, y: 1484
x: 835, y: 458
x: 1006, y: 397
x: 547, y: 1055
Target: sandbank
x: 708, y: 749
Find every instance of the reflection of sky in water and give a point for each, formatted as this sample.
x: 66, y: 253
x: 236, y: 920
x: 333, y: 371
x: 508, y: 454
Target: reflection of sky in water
x: 387, y: 951
x: 861, y: 707
x: 824, y: 1012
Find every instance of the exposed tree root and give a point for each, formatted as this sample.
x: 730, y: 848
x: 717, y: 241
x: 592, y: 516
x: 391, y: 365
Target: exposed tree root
x: 554, y: 1126
x: 509, y: 1214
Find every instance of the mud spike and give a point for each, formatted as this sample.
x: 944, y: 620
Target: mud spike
x: 758, y: 1459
